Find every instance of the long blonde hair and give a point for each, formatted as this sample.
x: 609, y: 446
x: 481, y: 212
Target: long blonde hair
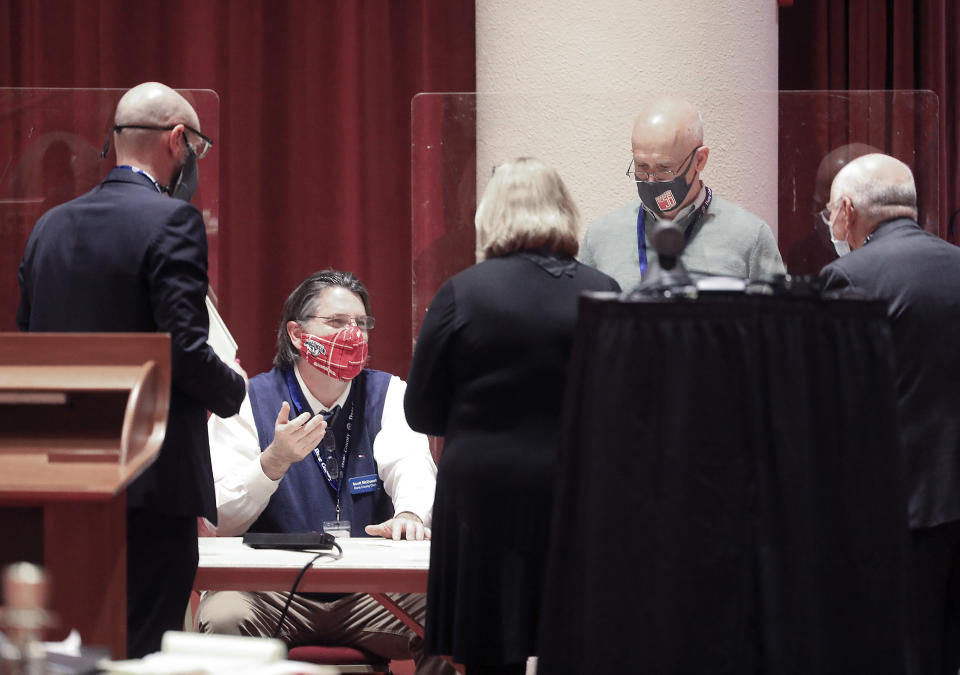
x: 526, y: 205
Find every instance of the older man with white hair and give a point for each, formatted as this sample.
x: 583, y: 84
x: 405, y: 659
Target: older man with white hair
x: 872, y: 213
x: 668, y: 158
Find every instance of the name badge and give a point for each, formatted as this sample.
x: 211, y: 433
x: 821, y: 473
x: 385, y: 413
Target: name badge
x: 361, y: 484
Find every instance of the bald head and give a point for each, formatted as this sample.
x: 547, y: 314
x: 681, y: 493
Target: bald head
x: 153, y: 103
x: 667, y: 123
x: 880, y: 187
x: 149, y: 104
x: 159, y: 149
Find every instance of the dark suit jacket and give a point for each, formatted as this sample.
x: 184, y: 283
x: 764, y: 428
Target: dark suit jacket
x: 124, y: 258
x: 918, y: 275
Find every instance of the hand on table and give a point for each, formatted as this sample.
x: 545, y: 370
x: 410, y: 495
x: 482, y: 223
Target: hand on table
x: 404, y: 525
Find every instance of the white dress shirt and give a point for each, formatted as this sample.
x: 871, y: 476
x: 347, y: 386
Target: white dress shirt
x: 403, y: 459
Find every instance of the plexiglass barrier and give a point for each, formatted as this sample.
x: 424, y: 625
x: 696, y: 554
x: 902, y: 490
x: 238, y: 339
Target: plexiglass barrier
x: 50, y: 144
x: 444, y: 192
x: 817, y: 132
x: 820, y: 131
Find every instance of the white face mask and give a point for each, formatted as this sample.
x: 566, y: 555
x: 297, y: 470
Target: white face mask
x: 839, y: 245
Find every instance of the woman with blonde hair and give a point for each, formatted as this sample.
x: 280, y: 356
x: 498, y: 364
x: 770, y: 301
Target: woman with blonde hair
x: 488, y: 375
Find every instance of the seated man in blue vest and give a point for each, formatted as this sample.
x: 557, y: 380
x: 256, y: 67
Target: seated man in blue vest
x: 320, y: 438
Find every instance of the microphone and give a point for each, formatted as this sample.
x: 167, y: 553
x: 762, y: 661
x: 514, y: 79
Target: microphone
x: 667, y: 277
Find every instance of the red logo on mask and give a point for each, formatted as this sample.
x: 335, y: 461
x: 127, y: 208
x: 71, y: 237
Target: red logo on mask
x: 665, y: 201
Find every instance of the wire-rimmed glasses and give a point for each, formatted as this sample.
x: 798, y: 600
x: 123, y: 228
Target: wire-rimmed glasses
x: 661, y: 175
x: 338, y: 321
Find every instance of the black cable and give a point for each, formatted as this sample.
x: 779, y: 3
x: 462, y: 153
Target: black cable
x: 296, y: 582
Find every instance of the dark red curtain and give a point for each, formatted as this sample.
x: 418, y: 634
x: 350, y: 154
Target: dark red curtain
x: 315, y: 129
x: 881, y: 45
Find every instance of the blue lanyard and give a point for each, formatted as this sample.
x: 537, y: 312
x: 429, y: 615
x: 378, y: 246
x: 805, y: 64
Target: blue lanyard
x: 142, y: 173
x: 335, y: 484
x: 642, y: 230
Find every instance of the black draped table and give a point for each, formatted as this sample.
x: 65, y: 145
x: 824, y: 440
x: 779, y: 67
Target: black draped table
x: 729, y: 496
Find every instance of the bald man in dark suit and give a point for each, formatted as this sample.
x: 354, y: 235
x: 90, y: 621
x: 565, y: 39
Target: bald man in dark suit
x: 126, y: 257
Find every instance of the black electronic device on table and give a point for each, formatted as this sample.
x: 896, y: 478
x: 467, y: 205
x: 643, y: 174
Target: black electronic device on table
x: 293, y: 541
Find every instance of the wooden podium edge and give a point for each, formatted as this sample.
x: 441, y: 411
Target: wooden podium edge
x: 84, y: 502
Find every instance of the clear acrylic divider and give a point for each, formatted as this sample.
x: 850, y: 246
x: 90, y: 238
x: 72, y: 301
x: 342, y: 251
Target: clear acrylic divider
x: 50, y: 145
x: 820, y: 131
x: 444, y: 192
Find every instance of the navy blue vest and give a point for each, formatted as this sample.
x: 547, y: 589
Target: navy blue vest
x: 304, y: 498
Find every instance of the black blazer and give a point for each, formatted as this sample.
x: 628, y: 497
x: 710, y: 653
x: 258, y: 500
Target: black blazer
x: 918, y: 275
x: 124, y: 258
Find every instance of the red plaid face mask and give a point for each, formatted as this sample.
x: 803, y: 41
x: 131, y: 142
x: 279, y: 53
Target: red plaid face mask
x: 341, y: 355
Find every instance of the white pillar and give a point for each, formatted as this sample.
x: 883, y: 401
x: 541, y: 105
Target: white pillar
x: 561, y: 80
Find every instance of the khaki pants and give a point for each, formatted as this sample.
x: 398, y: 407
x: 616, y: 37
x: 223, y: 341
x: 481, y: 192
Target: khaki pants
x: 356, y: 620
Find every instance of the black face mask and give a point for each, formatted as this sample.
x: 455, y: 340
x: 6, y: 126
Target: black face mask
x: 662, y: 196
x: 187, y: 179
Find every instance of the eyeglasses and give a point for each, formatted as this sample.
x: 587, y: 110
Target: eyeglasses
x: 202, y: 147
x: 827, y: 211
x: 661, y: 175
x: 338, y: 321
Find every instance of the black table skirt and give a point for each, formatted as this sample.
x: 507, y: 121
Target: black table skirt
x: 729, y: 496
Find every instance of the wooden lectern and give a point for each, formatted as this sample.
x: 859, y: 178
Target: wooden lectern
x: 81, y: 416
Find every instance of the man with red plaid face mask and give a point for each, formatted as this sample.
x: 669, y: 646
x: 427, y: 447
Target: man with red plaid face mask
x: 322, y: 438
x: 669, y: 156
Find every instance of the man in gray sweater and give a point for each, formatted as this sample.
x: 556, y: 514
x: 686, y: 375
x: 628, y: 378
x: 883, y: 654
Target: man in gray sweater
x: 668, y: 158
